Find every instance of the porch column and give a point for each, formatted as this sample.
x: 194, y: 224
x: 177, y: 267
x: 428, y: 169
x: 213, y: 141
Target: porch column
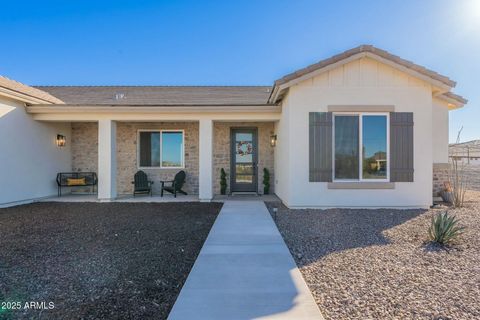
x: 107, y: 160
x: 205, y: 166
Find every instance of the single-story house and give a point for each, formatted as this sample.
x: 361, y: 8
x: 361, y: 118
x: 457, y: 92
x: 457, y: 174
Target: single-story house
x: 363, y: 128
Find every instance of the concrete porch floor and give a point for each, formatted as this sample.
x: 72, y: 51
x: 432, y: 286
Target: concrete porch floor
x: 157, y: 198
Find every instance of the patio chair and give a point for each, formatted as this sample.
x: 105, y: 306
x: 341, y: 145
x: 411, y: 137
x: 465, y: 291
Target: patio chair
x: 176, y: 184
x: 141, y: 184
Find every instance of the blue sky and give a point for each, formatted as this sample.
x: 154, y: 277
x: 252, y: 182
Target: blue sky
x: 234, y: 42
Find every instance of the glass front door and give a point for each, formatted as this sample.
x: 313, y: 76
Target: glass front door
x: 243, y: 160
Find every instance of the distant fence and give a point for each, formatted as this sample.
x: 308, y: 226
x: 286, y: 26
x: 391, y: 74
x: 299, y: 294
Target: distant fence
x: 466, y: 153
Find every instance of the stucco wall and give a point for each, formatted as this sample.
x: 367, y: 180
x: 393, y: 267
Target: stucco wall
x: 282, y: 162
x: 29, y: 157
x: 221, y: 152
x: 361, y: 82
x: 440, y: 131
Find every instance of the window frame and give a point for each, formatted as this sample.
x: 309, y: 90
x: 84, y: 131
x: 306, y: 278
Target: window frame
x: 160, y: 149
x: 360, y: 145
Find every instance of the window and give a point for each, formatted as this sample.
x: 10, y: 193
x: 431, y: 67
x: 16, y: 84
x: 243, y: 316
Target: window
x: 161, y: 149
x: 361, y: 147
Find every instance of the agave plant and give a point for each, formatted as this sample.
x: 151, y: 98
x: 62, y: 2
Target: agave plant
x: 444, y: 228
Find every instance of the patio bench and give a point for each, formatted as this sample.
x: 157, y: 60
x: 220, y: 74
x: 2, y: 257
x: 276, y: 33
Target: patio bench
x: 76, y: 179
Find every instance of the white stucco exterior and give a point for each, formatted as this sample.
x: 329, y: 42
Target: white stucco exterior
x: 29, y: 157
x: 363, y: 82
x: 440, y: 131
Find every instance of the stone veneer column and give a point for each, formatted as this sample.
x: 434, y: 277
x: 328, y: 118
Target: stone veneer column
x: 205, y: 159
x: 440, y: 176
x: 107, y: 160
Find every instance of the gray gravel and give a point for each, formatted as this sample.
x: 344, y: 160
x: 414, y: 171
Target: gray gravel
x: 363, y: 264
x: 99, y: 260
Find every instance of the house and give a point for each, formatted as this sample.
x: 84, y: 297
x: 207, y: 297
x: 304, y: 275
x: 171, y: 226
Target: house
x: 363, y: 128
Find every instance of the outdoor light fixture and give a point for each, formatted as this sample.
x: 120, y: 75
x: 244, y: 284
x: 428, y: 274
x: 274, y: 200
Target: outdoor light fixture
x: 273, y: 140
x: 61, y: 140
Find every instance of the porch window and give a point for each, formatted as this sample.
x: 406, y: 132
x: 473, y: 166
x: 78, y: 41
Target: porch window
x: 361, y: 147
x: 161, y: 149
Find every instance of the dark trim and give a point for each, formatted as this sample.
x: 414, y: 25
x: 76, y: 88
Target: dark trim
x: 254, y: 131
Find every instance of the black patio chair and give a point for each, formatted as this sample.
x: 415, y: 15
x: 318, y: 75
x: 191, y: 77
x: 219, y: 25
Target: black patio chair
x: 176, y: 184
x: 141, y: 184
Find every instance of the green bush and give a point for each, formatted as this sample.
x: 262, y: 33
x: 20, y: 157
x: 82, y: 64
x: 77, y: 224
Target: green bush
x: 444, y: 228
x: 266, y: 181
x: 223, y: 182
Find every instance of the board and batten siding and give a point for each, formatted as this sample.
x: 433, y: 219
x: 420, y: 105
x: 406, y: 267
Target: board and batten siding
x: 363, y: 82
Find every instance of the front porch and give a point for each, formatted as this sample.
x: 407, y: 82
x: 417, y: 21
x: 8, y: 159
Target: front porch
x: 115, y: 150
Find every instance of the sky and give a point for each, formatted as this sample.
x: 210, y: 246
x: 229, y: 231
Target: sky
x: 234, y: 42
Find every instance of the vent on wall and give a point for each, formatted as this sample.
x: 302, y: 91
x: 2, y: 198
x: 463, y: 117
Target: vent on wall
x: 120, y: 96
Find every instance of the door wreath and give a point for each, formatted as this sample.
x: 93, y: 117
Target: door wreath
x: 244, y: 148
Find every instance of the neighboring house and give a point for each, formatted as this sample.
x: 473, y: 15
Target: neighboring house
x: 467, y: 152
x: 364, y: 128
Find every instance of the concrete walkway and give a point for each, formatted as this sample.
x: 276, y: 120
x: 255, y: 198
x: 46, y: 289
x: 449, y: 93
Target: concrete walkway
x: 245, y: 271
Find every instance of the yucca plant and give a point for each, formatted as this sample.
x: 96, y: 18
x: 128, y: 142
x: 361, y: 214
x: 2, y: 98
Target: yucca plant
x: 444, y: 228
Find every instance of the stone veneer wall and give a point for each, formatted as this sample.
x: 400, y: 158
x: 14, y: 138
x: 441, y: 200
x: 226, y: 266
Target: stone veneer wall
x: 440, y: 176
x: 84, y: 146
x: 127, y: 155
x: 85, y: 153
x: 221, y: 152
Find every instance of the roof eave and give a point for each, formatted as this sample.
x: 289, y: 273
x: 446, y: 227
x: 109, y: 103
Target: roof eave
x: 69, y: 108
x: 454, y: 101
x: 19, y: 96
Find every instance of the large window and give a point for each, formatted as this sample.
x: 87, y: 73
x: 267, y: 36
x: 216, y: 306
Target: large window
x: 360, y: 147
x: 161, y: 149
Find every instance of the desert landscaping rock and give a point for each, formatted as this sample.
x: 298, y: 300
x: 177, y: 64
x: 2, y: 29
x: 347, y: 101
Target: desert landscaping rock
x: 378, y: 264
x: 98, y: 261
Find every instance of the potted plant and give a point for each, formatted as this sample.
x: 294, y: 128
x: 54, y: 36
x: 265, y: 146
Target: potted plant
x: 447, y: 192
x: 223, y: 181
x: 266, y: 181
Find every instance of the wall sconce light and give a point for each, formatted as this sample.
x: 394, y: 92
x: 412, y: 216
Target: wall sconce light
x: 273, y: 140
x: 61, y: 140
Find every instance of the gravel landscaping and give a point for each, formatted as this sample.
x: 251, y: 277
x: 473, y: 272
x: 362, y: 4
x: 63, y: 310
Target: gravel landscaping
x: 364, y: 264
x: 98, y: 261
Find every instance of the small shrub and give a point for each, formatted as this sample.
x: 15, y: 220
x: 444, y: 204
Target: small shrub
x: 444, y: 228
x: 223, y: 181
x: 266, y: 181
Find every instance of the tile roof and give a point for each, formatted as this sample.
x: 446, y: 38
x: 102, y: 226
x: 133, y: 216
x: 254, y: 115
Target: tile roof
x: 371, y: 49
x: 160, y: 95
x: 27, y: 90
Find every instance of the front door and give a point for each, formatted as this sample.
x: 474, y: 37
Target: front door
x: 243, y: 162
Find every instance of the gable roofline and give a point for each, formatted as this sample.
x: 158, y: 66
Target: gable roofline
x: 454, y: 101
x: 282, y: 84
x: 18, y: 91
